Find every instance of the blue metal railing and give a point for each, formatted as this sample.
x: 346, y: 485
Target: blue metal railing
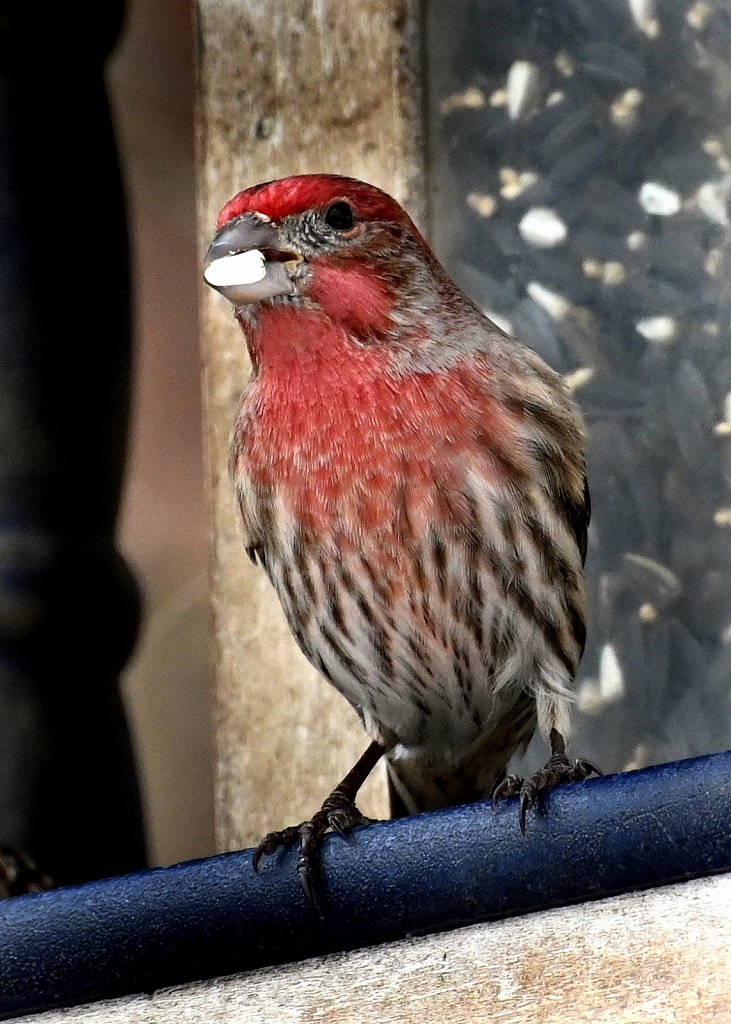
x: 213, y: 917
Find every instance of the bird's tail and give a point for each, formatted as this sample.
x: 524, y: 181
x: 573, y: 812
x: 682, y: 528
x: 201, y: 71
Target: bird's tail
x: 418, y: 783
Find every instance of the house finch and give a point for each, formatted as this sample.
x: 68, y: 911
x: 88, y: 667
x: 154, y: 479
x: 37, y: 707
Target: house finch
x: 412, y: 482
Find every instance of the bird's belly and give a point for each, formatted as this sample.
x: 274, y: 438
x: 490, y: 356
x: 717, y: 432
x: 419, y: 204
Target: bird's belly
x: 431, y: 662
x: 430, y: 607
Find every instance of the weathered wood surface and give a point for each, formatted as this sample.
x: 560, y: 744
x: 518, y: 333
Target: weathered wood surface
x: 283, y: 89
x: 660, y: 956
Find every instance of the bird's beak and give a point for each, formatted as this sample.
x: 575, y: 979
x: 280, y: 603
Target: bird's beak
x: 246, y: 261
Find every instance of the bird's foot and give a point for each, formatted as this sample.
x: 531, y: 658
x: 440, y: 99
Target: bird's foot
x: 557, y: 770
x: 337, y: 814
x: 19, y: 875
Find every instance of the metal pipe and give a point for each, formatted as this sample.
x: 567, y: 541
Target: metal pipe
x: 213, y: 917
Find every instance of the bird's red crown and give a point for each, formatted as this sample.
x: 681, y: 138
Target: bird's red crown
x: 286, y: 197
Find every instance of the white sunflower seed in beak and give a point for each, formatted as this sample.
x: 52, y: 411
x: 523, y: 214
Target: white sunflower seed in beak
x: 241, y: 268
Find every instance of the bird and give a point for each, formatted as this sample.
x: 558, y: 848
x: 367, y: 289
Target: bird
x: 412, y: 481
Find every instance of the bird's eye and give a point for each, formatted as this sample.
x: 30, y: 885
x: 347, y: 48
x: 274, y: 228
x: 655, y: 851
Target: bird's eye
x: 339, y: 216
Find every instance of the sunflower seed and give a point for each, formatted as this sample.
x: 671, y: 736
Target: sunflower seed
x: 658, y: 199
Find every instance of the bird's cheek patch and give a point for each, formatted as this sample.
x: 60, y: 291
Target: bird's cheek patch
x: 355, y: 297
x: 240, y: 268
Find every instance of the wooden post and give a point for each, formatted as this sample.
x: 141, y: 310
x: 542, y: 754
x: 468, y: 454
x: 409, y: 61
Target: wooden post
x: 326, y: 86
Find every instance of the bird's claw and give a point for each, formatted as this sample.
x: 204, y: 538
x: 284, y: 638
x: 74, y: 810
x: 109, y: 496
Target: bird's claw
x: 272, y: 842
x: 555, y: 772
x: 338, y: 814
x: 19, y: 875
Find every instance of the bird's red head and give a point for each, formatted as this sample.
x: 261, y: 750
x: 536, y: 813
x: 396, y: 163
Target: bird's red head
x: 343, y: 246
